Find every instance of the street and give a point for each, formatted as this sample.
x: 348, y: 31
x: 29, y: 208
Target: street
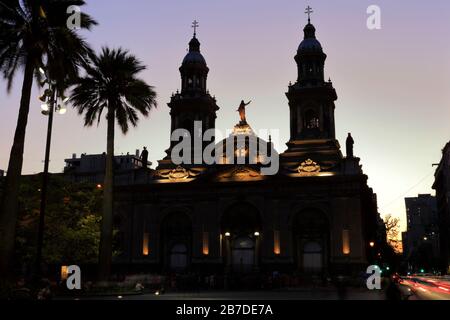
x: 425, y: 288
x: 300, y: 294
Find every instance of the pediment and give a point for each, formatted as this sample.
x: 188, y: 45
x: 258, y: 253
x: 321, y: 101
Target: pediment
x: 239, y: 173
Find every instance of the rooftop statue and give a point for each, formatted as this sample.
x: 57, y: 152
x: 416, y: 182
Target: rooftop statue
x: 241, y: 111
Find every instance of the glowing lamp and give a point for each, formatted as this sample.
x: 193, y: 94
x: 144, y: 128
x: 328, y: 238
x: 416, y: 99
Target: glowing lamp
x: 64, y: 272
x: 62, y: 109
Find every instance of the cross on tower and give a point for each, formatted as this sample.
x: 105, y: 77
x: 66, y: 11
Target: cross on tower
x: 195, y: 26
x: 308, y: 11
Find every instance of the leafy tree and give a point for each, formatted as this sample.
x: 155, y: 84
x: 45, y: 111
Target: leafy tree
x: 111, y: 84
x: 392, y: 232
x: 33, y: 33
x: 72, y: 225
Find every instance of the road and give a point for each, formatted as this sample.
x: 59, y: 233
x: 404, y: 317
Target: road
x: 419, y: 287
x: 303, y: 294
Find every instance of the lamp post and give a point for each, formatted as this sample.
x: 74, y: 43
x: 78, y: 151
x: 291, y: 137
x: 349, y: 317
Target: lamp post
x: 49, y: 106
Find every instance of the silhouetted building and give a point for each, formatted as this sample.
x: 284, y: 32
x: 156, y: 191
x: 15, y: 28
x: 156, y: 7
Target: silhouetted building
x: 421, y: 240
x: 91, y: 168
x: 442, y: 187
x: 2, y: 173
x: 317, y: 215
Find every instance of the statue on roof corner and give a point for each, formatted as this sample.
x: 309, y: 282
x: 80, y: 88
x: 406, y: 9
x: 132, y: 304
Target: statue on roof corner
x: 349, y: 146
x: 241, y: 111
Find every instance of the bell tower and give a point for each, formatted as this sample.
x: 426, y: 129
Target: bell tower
x: 311, y: 103
x: 193, y: 103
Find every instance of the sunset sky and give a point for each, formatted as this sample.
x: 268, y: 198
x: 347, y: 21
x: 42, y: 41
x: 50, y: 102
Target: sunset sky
x: 393, y: 84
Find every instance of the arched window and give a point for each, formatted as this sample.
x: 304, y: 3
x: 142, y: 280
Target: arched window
x: 187, y: 125
x: 311, y: 119
x: 190, y: 82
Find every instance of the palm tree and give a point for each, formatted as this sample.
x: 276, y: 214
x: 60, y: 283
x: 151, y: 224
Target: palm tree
x: 33, y: 33
x: 111, y: 83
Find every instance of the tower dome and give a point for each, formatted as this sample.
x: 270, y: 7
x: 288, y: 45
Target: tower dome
x: 194, y: 55
x: 310, y: 43
x: 194, y: 71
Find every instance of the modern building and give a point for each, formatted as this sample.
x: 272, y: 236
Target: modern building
x: 316, y: 215
x: 421, y: 240
x: 442, y: 187
x: 91, y: 168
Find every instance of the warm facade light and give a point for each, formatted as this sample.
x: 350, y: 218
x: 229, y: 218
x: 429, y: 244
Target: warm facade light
x: 276, y: 242
x: 205, y: 243
x: 145, y: 244
x: 372, y: 244
x: 64, y: 272
x: 345, y: 242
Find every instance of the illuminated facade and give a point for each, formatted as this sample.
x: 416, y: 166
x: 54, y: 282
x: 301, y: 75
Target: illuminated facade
x: 317, y: 215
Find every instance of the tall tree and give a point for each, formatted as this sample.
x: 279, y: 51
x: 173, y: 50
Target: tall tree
x: 392, y: 232
x: 33, y: 33
x: 111, y: 83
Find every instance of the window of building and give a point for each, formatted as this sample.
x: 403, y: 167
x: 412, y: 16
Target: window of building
x: 311, y: 119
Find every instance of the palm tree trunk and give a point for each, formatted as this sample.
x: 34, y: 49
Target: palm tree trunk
x: 105, y: 257
x: 9, y: 203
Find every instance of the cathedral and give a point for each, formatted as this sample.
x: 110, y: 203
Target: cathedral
x: 315, y: 216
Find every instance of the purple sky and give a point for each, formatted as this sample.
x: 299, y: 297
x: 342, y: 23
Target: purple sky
x: 393, y: 83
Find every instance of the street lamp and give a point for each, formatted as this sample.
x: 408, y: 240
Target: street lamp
x: 48, y: 107
x: 372, y: 244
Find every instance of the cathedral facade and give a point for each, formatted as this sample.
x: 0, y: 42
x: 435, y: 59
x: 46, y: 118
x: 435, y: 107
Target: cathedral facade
x: 316, y: 215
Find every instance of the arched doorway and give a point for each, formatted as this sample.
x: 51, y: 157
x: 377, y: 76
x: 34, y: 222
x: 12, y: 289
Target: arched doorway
x: 311, y: 241
x: 241, y: 229
x: 178, y: 257
x: 176, y: 242
x: 243, y: 253
x: 312, y: 257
